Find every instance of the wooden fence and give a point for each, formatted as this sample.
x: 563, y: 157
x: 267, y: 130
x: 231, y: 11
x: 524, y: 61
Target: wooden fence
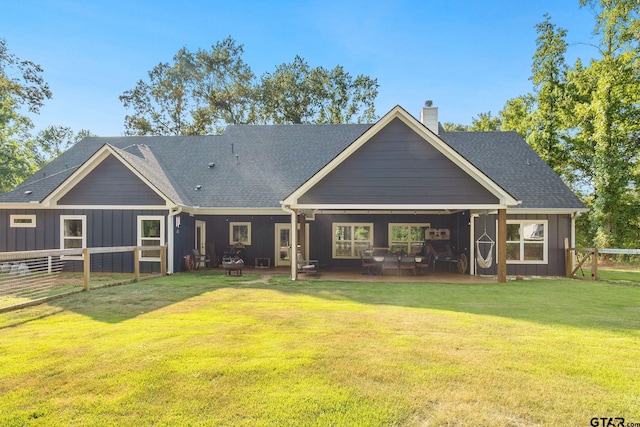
x: 582, y: 255
x: 32, y: 277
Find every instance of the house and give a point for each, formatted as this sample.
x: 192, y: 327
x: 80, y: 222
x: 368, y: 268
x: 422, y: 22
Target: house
x: 344, y: 187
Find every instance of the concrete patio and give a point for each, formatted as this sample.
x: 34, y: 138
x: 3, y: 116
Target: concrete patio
x: 357, y: 275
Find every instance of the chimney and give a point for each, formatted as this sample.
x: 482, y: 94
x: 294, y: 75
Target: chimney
x: 429, y: 116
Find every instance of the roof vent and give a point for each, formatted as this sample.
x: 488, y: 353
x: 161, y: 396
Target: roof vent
x: 198, y: 187
x: 237, y: 159
x: 28, y: 192
x: 211, y: 165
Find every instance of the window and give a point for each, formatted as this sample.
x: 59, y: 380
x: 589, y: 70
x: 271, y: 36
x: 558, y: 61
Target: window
x: 526, y: 241
x: 73, y: 233
x: 240, y: 232
x: 22, y: 221
x: 349, y: 239
x: 407, y: 238
x: 150, y: 233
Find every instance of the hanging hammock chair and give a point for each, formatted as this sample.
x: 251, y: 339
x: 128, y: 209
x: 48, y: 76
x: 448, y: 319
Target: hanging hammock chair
x: 483, y: 241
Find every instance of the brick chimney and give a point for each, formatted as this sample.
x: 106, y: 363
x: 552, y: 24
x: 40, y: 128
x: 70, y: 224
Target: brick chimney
x: 429, y: 116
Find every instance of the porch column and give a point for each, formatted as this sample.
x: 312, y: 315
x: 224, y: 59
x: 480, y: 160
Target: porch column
x: 502, y: 245
x: 301, y: 236
x: 294, y: 245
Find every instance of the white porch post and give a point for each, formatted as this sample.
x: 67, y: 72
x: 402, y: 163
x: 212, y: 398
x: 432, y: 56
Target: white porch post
x: 170, y: 244
x: 294, y: 245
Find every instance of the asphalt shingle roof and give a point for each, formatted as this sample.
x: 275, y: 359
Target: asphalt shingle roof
x: 510, y: 162
x: 259, y: 165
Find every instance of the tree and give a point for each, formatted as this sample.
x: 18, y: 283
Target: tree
x: 454, y: 127
x: 162, y: 104
x: 541, y: 117
x: 342, y: 97
x: 224, y: 86
x: 607, y: 119
x: 288, y: 93
x: 202, y: 92
x: 198, y: 93
x: 516, y: 115
x: 548, y: 120
x: 485, y: 122
x: 296, y: 93
x: 21, y: 86
x: 584, y: 121
x: 53, y: 141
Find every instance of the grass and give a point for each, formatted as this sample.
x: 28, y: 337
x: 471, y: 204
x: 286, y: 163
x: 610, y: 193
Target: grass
x: 45, y: 286
x: 197, y: 349
x: 619, y: 275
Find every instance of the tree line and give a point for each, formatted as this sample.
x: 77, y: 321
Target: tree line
x: 583, y: 119
x: 202, y: 92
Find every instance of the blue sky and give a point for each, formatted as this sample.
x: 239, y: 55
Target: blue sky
x: 467, y: 56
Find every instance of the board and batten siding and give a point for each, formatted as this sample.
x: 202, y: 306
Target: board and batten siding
x: 397, y: 166
x: 111, y: 183
x: 558, y: 227
x: 105, y: 228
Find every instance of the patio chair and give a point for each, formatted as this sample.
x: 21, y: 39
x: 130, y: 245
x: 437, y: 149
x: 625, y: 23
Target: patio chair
x: 368, y: 264
x: 198, y: 258
x: 407, y: 263
x: 422, y: 264
x: 307, y: 266
x: 390, y: 262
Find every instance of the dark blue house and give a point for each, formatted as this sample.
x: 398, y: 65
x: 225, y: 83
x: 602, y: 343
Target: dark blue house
x: 396, y: 183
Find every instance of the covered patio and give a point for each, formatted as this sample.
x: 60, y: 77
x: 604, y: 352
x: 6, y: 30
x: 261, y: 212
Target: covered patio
x: 463, y: 242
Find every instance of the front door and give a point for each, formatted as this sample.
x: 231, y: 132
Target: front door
x: 201, y: 239
x: 283, y: 245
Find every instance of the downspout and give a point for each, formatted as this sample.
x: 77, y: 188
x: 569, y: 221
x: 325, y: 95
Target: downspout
x: 294, y: 241
x: 170, y: 238
x: 472, y: 245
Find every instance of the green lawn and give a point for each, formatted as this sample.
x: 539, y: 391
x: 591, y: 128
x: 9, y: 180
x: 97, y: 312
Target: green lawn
x: 620, y: 274
x: 197, y: 349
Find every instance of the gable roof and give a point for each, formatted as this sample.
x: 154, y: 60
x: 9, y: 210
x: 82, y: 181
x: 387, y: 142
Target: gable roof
x: 257, y: 166
x: 426, y: 135
x: 143, y: 165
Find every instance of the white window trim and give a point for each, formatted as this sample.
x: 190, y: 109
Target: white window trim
x: 545, y: 245
x: 407, y: 224
x: 14, y: 224
x: 140, y: 237
x: 233, y: 224
x: 63, y: 218
x: 352, y: 225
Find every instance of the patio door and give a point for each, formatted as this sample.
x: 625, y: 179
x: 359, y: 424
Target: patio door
x: 283, y: 244
x: 201, y: 239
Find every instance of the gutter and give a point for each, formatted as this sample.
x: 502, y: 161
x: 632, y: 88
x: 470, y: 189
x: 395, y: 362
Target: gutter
x: 173, y: 212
